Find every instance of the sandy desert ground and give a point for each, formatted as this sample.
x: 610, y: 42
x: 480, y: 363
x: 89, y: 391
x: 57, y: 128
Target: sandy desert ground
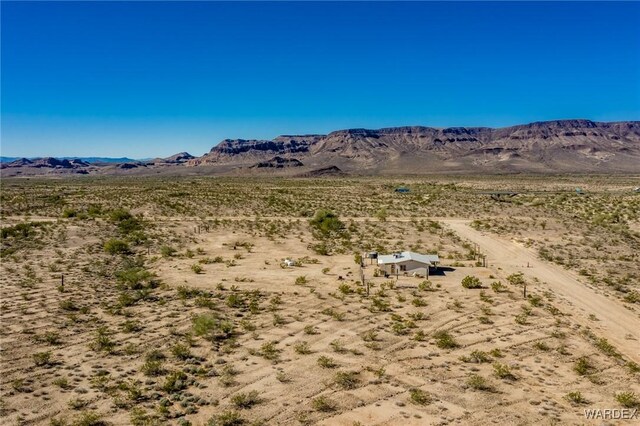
x: 176, y: 307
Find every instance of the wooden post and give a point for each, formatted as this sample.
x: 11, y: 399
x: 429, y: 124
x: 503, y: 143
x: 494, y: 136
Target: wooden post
x: 525, y: 290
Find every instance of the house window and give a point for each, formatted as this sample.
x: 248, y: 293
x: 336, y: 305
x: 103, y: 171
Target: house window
x: 403, y: 268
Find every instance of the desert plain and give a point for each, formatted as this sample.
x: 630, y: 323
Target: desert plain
x: 160, y: 300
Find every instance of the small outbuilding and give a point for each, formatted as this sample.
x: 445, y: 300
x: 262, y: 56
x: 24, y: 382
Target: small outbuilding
x: 408, y: 262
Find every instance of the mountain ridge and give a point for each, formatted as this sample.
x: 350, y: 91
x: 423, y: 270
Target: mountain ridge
x: 572, y: 145
x: 557, y: 146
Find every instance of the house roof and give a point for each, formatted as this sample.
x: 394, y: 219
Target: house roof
x: 427, y: 259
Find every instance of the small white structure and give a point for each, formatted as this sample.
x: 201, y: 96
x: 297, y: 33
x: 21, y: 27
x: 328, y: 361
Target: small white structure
x: 289, y: 263
x: 407, y: 262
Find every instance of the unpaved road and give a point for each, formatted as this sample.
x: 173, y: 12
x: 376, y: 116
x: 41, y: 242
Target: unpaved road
x: 615, y: 322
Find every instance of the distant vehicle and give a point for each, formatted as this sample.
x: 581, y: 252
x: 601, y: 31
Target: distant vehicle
x: 636, y: 189
x: 579, y: 191
x: 402, y: 190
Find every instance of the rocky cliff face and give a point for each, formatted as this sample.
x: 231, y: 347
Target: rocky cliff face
x: 278, y: 163
x: 244, y: 151
x: 562, y: 145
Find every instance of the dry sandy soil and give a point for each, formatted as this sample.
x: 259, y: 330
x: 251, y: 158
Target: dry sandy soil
x: 197, y: 321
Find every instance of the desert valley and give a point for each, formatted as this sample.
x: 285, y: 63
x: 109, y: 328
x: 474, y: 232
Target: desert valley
x: 259, y: 300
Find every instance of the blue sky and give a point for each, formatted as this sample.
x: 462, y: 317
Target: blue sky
x: 145, y: 79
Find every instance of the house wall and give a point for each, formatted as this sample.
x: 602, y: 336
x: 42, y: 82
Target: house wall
x: 411, y: 267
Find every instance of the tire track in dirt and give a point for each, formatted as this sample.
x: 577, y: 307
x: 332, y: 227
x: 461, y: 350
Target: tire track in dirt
x: 619, y: 322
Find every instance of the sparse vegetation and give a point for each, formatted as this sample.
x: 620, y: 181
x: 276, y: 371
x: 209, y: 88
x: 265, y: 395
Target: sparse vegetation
x: 189, y: 315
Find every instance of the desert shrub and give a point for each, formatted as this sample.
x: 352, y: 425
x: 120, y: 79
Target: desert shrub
x: 381, y: 214
x: 503, y: 371
x: 633, y: 367
x: 477, y: 356
x: 326, y: 222
x: 269, y: 351
x: 496, y: 353
x: 419, y: 397
x: 425, y: 285
x: 152, y: 368
x: 347, y: 379
x: 471, y: 282
x: 246, y: 400
x: 583, y: 367
x: 477, y: 382
x: 326, y: 362
x: 419, y: 302
x: 227, y: 418
x: 310, y: 329
x: 175, y: 382
x: 89, y: 418
x: 576, y: 397
x: 102, y: 341
x: 345, y: 289
x: 181, y: 351
x: 370, y: 336
x: 135, y: 278
x: 535, y: 300
x: 69, y: 212
x: 379, y: 305
x: 420, y: 336
x: 628, y: 399
x: 324, y: 404
x: 131, y: 326
x: 516, y: 279
x: 541, y: 346
x: 522, y: 319
x: 301, y: 280
x: 69, y: 305
x: 235, y: 300
x: 196, y: 268
x: 444, y: 340
x: 62, y: 383
x: 211, y: 327
x: 302, y: 348
x: 498, y: 287
x: 167, y: 251
x: 337, y: 346
x: 116, y: 246
x: 606, y: 347
x: 41, y: 359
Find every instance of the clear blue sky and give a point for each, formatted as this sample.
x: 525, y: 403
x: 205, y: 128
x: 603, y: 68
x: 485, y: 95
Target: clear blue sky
x: 148, y: 79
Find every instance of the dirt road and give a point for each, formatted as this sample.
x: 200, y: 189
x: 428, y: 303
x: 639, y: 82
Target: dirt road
x: 615, y: 322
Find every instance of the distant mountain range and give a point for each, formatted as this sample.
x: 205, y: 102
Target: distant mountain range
x: 561, y: 146
x: 85, y: 159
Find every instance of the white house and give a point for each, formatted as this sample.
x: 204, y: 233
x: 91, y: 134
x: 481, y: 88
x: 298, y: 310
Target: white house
x: 407, y: 262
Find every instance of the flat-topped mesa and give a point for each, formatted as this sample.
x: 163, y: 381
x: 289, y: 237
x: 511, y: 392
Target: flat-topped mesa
x: 254, y: 150
x: 535, y: 146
